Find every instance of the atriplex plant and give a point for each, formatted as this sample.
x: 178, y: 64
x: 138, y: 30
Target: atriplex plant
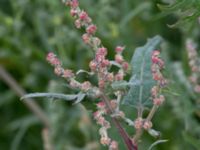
x: 143, y: 91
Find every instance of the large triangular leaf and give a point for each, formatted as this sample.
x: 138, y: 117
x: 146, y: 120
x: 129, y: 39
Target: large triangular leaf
x: 138, y: 94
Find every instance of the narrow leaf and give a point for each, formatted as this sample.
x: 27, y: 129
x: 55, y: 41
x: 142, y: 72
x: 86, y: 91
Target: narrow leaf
x: 156, y: 143
x: 50, y: 95
x: 80, y: 97
x: 141, y: 73
x: 154, y: 133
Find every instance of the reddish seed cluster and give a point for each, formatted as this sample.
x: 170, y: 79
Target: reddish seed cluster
x: 105, y: 125
x: 140, y: 123
x: 156, y: 67
x: 119, y: 58
x: 194, y: 63
x: 67, y: 74
x: 100, y: 64
x: 54, y: 61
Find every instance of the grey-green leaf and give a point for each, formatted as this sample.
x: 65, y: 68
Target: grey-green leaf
x: 122, y: 85
x: 80, y: 97
x: 51, y: 95
x: 156, y: 143
x: 139, y: 94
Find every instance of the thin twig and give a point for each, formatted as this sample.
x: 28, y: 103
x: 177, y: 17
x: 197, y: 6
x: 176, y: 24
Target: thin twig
x: 33, y: 106
x: 46, y: 139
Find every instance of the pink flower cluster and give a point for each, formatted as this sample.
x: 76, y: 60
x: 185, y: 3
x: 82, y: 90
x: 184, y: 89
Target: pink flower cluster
x: 194, y: 63
x: 68, y: 74
x: 100, y: 64
x: 156, y: 67
x: 54, y: 61
x: 105, y: 125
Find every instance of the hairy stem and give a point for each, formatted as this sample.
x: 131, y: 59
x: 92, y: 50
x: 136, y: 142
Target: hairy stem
x: 152, y: 112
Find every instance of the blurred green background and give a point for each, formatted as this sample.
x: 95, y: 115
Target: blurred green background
x: 29, y: 29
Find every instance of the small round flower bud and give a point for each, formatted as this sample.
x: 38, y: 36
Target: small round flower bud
x: 93, y: 65
x: 78, y: 24
x: 106, y: 125
x: 83, y: 15
x: 158, y: 101
x: 154, y: 91
x: 157, y: 76
x: 113, y: 145
x: 119, y: 76
x: 58, y: 71
x: 68, y: 73
x: 113, y: 104
x: 96, y: 41
x: 50, y: 56
x: 110, y: 77
x: 105, y: 63
x: 121, y: 114
x: 102, y: 51
x: 96, y: 114
x: 86, y: 38
x: 101, y: 105
x: 118, y: 58
x: 138, y: 123
x: 74, y: 3
x: 73, y: 12
x: 105, y: 140
x: 155, y: 59
x: 100, y: 120
x: 55, y: 62
x: 119, y: 49
x: 125, y: 66
x: 91, y: 29
x: 86, y: 86
x: 74, y: 84
x: 147, y: 125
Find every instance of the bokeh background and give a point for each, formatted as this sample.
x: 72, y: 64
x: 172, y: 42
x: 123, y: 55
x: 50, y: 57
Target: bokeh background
x: 29, y: 29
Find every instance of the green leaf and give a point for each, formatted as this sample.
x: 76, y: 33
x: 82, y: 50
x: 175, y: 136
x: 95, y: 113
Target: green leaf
x: 154, y: 133
x: 187, y: 12
x: 156, y: 143
x: 51, y: 95
x: 122, y: 85
x: 141, y: 73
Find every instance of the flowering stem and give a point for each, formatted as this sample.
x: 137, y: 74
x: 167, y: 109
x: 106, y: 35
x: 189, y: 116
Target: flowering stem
x: 149, y: 117
x: 152, y: 112
x: 121, y: 130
